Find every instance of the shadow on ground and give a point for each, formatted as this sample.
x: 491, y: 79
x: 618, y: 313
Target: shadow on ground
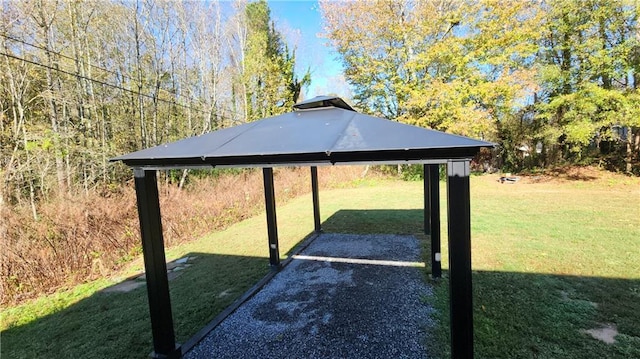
x: 116, y: 324
x: 376, y: 221
x: 531, y: 315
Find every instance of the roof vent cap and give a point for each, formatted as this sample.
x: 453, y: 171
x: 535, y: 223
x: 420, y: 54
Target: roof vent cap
x: 322, y: 102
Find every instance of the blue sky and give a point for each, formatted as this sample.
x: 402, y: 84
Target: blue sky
x: 301, y: 23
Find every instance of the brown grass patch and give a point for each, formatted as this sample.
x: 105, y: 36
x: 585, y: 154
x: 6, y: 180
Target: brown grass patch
x: 82, y: 238
x: 567, y: 174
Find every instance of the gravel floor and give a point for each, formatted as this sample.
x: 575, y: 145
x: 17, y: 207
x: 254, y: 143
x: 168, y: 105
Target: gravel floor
x: 319, y: 307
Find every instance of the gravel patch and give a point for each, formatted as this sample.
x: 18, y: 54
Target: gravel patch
x: 607, y: 333
x: 317, y: 308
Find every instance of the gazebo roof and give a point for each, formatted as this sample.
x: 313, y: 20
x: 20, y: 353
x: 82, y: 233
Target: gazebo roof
x: 323, y: 130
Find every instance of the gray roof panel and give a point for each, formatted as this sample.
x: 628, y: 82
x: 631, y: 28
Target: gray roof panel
x: 315, y: 135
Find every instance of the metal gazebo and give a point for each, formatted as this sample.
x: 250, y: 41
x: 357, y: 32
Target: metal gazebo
x: 320, y: 131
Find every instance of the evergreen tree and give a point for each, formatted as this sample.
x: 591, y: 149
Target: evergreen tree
x: 271, y: 86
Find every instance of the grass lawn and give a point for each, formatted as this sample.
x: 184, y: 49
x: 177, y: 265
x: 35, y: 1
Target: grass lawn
x: 550, y: 259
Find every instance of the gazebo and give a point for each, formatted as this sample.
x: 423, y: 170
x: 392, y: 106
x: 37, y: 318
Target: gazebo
x: 320, y: 131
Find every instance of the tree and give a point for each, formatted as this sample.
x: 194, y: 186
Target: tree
x: 561, y: 74
x: 587, y: 77
x: 446, y: 65
x: 82, y: 82
x: 269, y: 84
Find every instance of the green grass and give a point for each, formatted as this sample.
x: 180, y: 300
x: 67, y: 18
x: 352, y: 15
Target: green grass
x: 549, y: 260
x: 552, y: 259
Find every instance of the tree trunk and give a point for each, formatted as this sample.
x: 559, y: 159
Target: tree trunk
x: 633, y: 147
x: 183, y: 178
x: 143, y: 126
x: 45, y: 26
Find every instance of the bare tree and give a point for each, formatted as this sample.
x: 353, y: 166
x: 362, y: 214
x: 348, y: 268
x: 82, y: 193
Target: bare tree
x: 44, y: 16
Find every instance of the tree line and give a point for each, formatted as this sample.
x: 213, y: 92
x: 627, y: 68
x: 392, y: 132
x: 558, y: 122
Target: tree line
x: 84, y: 81
x: 550, y: 82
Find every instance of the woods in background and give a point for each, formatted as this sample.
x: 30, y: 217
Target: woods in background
x: 551, y: 82
x: 83, y: 81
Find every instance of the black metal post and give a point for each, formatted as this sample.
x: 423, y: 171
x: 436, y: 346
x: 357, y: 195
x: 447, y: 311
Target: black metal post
x: 316, y: 200
x: 272, y: 225
x: 460, y: 290
x: 432, y: 215
x: 164, y: 345
x: 427, y: 200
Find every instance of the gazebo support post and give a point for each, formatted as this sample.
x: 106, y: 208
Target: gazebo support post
x: 460, y: 291
x: 164, y: 345
x: 272, y: 225
x: 432, y: 215
x: 316, y: 200
x: 427, y: 202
